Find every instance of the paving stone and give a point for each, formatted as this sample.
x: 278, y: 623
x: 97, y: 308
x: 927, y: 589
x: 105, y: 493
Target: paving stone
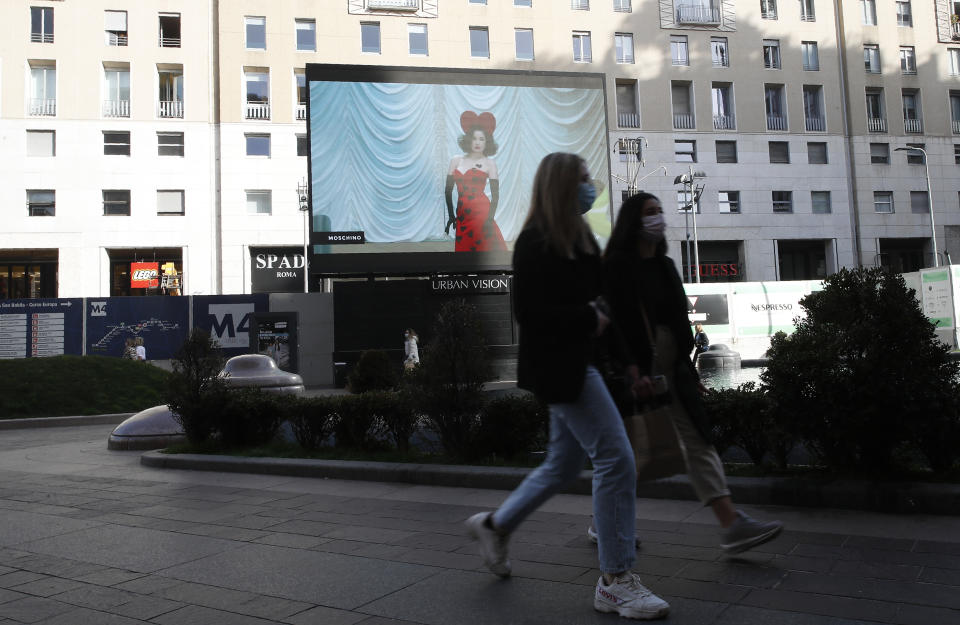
x: 226, y: 533
x: 882, y: 590
x: 888, y: 544
x: 18, y: 577
x: 745, y: 615
x: 86, y: 616
x: 109, y: 577
x: 307, y: 528
x: 21, y: 527
x: 692, y: 589
x: 325, y: 616
x: 802, y: 563
x: 925, y: 615
x: 32, y: 609
x: 10, y: 595
x: 199, y: 615
x: 95, y: 597
x: 826, y: 605
x: 436, y: 542
x: 368, y: 534
x: 47, y: 586
x: 735, y: 574
x: 251, y: 521
x: 448, y: 560
x: 232, y: 600
x: 296, y: 541
x: 377, y: 620
x: 949, y: 577
x: 148, y: 584
x: 874, y: 570
x: 146, y: 608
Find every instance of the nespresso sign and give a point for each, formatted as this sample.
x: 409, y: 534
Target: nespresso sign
x: 276, y: 269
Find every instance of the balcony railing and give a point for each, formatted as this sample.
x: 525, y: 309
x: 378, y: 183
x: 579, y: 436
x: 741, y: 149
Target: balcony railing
x: 914, y: 126
x: 169, y: 42
x: 628, y: 120
x: 876, y: 124
x: 258, y: 110
x: 683, y: 122
x: 724, y: 122
x: 956, y: 126
x: 815, y: 124
x: 117, y: 39
x: 697, y: 14
x: 43, y: 106
x: 301, y: 111
x: 116, y: 108
x: 395, y: 5
x: 776, y: 122
x: 41, y: 37
x: 768, y: 14
x: 170, y: 108
x: 956, y: 31
x: 808, y: 17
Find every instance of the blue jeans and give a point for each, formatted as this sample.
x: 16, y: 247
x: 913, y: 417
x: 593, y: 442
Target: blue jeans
x: 590, y: 426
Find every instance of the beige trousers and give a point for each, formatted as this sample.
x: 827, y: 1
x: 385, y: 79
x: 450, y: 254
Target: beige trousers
x: 703, y: 462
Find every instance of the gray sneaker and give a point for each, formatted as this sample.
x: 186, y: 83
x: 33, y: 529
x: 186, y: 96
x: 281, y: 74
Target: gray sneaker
x: 747, y: 533
x: 493, y: 546
x: 629, y: 598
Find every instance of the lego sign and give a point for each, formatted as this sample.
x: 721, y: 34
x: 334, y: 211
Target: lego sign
x: 144, y: 275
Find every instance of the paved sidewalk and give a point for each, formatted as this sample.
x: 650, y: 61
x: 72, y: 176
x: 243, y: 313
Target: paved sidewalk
x: 89, y: 536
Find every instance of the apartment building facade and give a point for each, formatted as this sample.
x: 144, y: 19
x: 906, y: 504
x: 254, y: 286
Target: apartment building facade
x: 175, y: 131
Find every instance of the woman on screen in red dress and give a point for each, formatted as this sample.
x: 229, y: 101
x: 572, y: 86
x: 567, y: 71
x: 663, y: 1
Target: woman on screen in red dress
x: 476, y: 229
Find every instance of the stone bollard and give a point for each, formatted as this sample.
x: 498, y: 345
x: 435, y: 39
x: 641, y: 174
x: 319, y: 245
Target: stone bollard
x: 719, y: 356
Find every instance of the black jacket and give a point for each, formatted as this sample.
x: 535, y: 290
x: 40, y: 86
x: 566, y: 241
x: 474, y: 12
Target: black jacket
x: 551, y: 302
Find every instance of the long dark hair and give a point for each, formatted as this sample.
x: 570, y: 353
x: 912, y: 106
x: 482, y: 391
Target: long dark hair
x: 553, y: 206
x: 626, y: 232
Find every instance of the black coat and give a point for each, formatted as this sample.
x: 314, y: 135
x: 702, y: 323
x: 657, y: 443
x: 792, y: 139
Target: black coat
x: 551, y: 302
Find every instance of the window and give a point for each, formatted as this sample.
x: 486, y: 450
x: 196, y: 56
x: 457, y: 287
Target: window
x: 807, y: 12
x: 820, y: 202
x: 721, y: 95
x: 170, y: 92
x: 956, y: 154
x: 813, y: 116
x: 623, y: 42
x: 771, y: 53
x: 370, y: 37
x: 955, y: 111
x: 306, y: 34
x: 682, y: 104
x: 768, y: 9
x: 258, y: 145
x: 41, y: 203
x: 303, y: 148
x: 876, y: 119
x: 41, y: 143
x: 622, y: 6
x: 169, y: 30
x: 773, y: 103
x: 880, y: 153
x: 256, y: 31
x: 719, y: 52
x: 41, y: 24
x: 116, y: 96
x: 904, y: 14
x: 782, y: 201
x: 301, y: 79
x: 170, y: 202
x: 417, y: 39
x: 686, y: 151
x: 43, y: 89
x: 918, y: 202
x: 169, y: 144
x: 581, y: 47
x: 868, y: 9
x: 908, y: 60
x: 478, y: 1
x: 871, y: 58
x: 257, y: 93
x: 523, y: 37
x: 580, y: 5
x: 816, y: 153
x: 479, y: 42
x: 116, y: 142
x: 954, y: 55
x: 811, y: 56
x: 915, y: 157
x: 726, y: 151
x: 522, y: 3
x: 627, y: 114
x: 259, y: 203
x: 883, y: 201
x: 728, y: 201
x: 679, y: 52
x: 116, y: 202
x: 115, y: 28
x: 779, y: 151
x: 912, y: 121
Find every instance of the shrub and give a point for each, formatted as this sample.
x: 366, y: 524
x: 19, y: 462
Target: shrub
x: 743, y: 416
x: 194, y: 392
x: 513, y: 425
x: 450, y: 378
x: 357, y: 426
x: 863, y: 374
x: 375, y: 371
x: 396, y: 414
x: 250, y: 417
x: 313, y: 420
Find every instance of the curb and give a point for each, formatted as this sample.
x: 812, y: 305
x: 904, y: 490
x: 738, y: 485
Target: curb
x: 892, y: 497
x: 57, y: 422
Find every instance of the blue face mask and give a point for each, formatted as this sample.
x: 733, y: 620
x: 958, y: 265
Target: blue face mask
x: 586, y: 195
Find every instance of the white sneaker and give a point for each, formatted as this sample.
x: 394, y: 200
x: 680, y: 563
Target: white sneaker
x: 595, y: 538
x: 629, y: 598
x: 493, y: 546
x: 747, y: 533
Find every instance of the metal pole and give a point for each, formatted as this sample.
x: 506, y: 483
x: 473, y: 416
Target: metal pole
x: 306, y: 244
x: 696, y: 242
x: 686, y: 225
x: 933, y: 231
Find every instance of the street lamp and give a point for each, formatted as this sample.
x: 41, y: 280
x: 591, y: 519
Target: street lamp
x: 692, y: 196
x: 926, y: 169
x: 304, y: 201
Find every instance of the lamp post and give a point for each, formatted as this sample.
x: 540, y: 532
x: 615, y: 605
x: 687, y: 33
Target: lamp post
x: 926, y: 169
x: 690, y: 198
x: 304, y: 202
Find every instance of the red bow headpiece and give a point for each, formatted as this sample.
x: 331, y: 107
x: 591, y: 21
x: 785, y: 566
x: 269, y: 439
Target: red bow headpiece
x: 485, y: 121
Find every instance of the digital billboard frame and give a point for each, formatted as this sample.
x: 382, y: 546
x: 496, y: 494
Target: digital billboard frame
x: 342, y: 261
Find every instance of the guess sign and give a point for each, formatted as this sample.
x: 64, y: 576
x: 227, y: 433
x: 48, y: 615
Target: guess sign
x: 144, y: 275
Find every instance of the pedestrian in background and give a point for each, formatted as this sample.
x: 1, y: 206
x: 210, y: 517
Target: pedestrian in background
x: 557, y: 282
x: 411, y: 350
x: 140, y: 349
x: 700, y: 341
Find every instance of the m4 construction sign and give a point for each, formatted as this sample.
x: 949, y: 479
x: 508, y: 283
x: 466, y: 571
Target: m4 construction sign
x: 227, y: 318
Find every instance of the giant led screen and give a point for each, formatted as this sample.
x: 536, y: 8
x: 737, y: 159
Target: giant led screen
x: 416, y: 170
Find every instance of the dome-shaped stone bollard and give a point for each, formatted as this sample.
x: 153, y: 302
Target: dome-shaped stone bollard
x: 156, y: 427
x: 719, y: 356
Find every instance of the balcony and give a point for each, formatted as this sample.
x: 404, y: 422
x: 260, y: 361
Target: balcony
x: 116, y: 108
x: 117, y: 39
x: 697, y: 14
x: 628, y: 120
x: 393, y: 5
x: 776, y: 122
x: 169, y: 42
x: 768, y: 14
x: 683, y: 122
x: 913, y: 126
x: 956, y: 126
x: 170, y: 108
x: 956, y: 30
x: 808, y: 17
x: 258, y: 110
x: 301, y: 112
x: 41, y: 37
x: 876, y: 124
x: 815, y: 124
x: 43, y: 107
x: 724, y: 122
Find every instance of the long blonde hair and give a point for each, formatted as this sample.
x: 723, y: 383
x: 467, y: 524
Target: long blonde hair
x: 554, y: 210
